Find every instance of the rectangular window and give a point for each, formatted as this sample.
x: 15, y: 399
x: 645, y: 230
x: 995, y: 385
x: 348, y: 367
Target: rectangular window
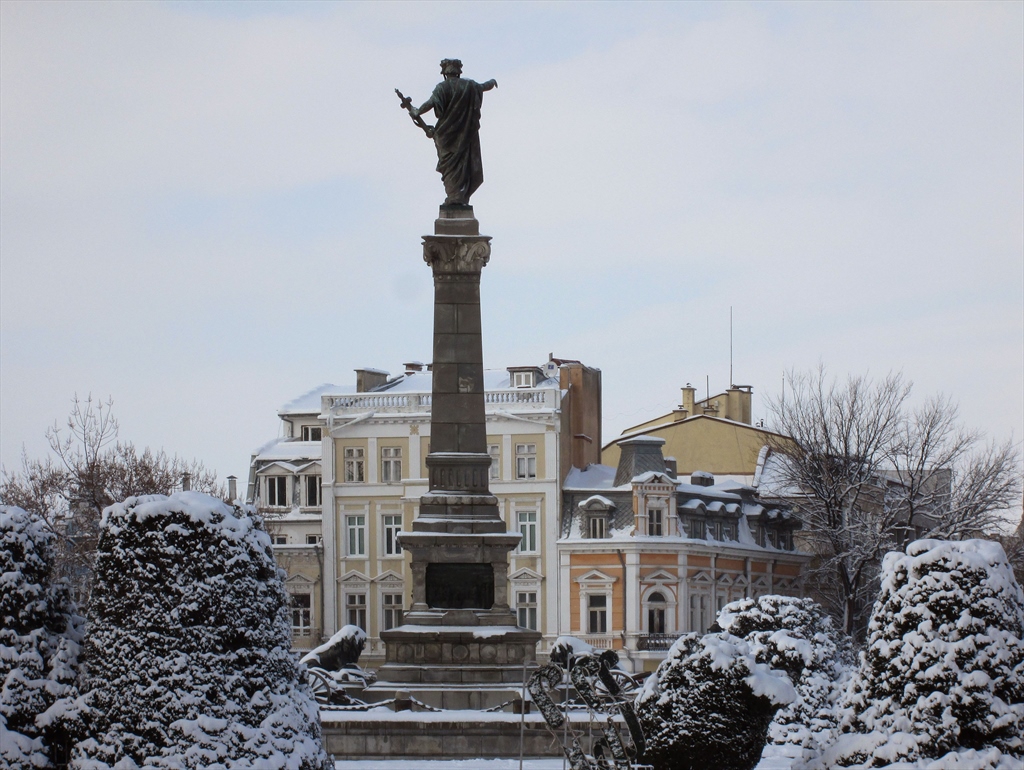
x: 699, y: 613
x: 312, y: 433
x: 495, y: 452
x: 596, y: 527
x: 354, y: 465
x: 392, y: 610
x: 302, y: 614
x: 390, y: 464
x: 522, y: 379
x: 392, y: 525
x: 312, y: 539
x: 785, y: 540
x: 526, y: 609
x: 528, y: 529
x: 277, y: 490
x: 279, y: 539
x: 655, y: 522
x: 656, y: 620
x: 312, y: 497
x: 355, y: 604
x: 356, y: 526
x: 597, y: 614
x: 696, y: 528
x: 526, y: 461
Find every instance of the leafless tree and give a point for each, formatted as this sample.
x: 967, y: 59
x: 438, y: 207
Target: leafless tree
x: 868, y: 474
x: 88, y: 470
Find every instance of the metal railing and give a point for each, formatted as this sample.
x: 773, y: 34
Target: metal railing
x: 655, y: 642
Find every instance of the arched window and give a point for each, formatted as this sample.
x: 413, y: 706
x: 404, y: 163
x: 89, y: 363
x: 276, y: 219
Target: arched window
x: 656, y: 605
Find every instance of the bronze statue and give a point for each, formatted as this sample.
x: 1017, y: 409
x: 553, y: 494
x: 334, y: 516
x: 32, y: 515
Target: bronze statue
x: 456, y: 105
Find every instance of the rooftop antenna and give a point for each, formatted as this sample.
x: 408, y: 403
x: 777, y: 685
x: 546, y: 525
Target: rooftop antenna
x: 731, y: 380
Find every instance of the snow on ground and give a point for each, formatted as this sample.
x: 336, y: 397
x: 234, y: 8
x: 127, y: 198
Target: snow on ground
x: 767, y: 763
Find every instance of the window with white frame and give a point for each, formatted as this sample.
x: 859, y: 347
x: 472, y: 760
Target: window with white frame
x: 656, y: 521
x: 277, y: 491
x: 390, y: 464
x: 355, y: 530
x: 391, y: 524
x: 526, y: 609
x: 312, y: 433
x: 302, y: 614
x: 526, y: 461
x: 695, y: 528
x: 700, y: 605
x: 313, y: 540
x: 528, y: 529
x: 656, y: 607
x: 597, y: 614
x: 393, y: 610
x: 355, y: 465
x: 355, y: 610
x: 597, y: 527
x: 494, y: 450
x: 311, y: 498
x: 279, y: 539
x: 522, y: 379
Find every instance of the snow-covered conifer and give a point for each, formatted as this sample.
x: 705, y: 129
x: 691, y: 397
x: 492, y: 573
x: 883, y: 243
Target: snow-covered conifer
x: 942, y: 677
x: 39, y: 635
x: 189, y: 650
x: 797, y: 636
x: 709, y: 704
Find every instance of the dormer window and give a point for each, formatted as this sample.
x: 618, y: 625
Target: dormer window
x: 597, y: 526
x: 524, y: 376
x: 312, y: 433
x: 522, y: 380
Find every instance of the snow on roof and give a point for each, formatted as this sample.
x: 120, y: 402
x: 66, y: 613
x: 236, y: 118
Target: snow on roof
x: 592, y: 477
x: 596, y: 501
x: 289, y: 449
x: 494, y: 379
x: 309, y: 403
x: 652, y: 476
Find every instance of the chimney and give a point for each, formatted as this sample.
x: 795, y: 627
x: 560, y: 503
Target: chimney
x: 413, y: 366
x: 686, y: 407
x: 702, y: 479
x: 671, y: 467
x: 370, y: 379
x: 737, y: 403
x: 186, y: 482
x: 639, y: 455
x: 232, y: 488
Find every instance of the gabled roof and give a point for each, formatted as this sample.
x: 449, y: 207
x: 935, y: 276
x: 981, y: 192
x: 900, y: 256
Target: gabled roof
x: 689, y: 421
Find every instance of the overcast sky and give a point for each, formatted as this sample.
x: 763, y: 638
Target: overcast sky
x: 207, y: 209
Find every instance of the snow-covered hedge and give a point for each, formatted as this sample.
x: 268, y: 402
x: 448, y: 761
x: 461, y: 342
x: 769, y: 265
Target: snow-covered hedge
x: 796, y: 635
x: 189, y: 648
x: 709, y: 704
x: 941, y: 682
x: 39, y: 636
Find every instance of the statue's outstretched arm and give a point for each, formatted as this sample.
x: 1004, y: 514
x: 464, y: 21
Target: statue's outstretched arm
x: 492, y: 83
x: 427, y: 106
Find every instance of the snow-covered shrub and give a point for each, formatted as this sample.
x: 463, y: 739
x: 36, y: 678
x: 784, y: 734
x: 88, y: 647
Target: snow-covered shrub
x: 942, y: 677
x: 797, y: 636
x: 39, y: 636
x: 709, y: 704
x: 189, y: 650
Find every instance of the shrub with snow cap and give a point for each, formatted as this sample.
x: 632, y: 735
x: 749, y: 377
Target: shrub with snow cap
x: 942, y: 677
x: 189, y: 650
x: 797, y: 636
x: 709, y: 704
x: 39, y: 635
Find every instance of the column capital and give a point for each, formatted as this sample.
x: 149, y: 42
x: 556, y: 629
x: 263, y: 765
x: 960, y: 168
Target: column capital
x: 447, y: 254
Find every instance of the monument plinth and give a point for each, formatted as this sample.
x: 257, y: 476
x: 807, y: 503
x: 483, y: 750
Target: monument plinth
x: 459, y: 637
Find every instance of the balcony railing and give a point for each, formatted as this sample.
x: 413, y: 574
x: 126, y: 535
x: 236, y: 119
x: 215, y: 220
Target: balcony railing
x: 655, y: 642
x: 420, y: 402
x: 600, y: 641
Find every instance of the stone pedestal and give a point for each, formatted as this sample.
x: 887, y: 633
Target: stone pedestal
x: 459, y: 632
